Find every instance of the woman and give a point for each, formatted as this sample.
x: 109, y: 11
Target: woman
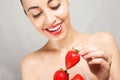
x: 100, y: 56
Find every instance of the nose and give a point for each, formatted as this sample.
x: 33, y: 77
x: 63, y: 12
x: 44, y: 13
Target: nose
x: 50, y: 18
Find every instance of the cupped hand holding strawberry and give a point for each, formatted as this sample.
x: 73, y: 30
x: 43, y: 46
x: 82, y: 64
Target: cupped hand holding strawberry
x: 61, y: 75
x: 72, y: 58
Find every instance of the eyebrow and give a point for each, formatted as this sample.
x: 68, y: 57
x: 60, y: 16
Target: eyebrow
x: 49, y: 1
x: 32, y: 8
x: 37, y: 6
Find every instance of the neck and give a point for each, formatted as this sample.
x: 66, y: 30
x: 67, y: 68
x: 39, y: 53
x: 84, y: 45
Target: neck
x: 66, y: 42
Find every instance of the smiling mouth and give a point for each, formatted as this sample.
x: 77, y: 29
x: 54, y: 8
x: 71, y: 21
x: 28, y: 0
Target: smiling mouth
x: 55, y: 29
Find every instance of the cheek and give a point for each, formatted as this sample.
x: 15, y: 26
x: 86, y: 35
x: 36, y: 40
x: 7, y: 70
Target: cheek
x: 63, y: 13
x: 39, y: 23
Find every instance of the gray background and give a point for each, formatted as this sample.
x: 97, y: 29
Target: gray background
x: 18, y: 37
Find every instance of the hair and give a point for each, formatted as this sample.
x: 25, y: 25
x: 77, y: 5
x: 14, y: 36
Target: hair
x: 21, y: 2
x: 22, y: 6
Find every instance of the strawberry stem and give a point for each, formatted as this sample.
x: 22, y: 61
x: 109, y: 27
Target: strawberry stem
x: 65, y: 71
x: 76, y: 50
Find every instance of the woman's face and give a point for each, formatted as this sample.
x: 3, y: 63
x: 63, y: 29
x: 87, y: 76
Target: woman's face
x: 50, y: 17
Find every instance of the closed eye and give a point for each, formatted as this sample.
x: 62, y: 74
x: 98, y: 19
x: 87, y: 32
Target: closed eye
x: 37, y: 15
x: 55, y: 7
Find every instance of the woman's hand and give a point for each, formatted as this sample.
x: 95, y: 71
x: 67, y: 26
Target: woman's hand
x: 98, y: 59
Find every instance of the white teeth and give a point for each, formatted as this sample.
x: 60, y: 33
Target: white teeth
x: 54, y: 29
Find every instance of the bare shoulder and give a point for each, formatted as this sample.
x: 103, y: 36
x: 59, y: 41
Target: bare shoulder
x: 32, y: 59
x: 29, y: 66
x: 29, y: 59
x: 104, y: 36
x: 106, y: 40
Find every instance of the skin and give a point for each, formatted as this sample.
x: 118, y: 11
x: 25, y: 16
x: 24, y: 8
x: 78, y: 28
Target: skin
x: 100, y: 56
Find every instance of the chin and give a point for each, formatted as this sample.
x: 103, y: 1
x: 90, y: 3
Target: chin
x: 58, y: 37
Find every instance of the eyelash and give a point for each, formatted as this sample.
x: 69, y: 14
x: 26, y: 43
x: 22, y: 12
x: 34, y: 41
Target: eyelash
x: 55, y: 7
x: 37, y: 15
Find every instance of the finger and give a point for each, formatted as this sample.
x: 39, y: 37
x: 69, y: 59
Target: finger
x: 104, y: 64
x: 89, y: 48
x: 97, y: 54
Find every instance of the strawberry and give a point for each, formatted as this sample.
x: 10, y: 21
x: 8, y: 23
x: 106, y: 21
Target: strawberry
x: 61, y: 75
x: 72, y: 58
x: 77, y: 77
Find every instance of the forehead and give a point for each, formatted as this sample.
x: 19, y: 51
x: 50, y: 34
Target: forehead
x: 29, y: 3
